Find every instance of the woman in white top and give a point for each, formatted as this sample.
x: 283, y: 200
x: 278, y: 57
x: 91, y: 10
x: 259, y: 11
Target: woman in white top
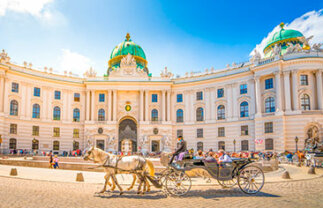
x: 224, y: 157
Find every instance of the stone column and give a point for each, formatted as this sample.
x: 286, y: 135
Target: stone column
x: 295, y: 91
x: 212, y: 103
x: 192, y: 109
x: 45, y: 105
x: 187, y: 106
x: 287, y: 91
x: 278, y: 92
x: 141, y: 103
x: 168, y: 105
x: 5, y: 98
x: 2, y: 89
x: 146, y: 105
x: 69, y: 105
x: 163, y: 100
x: 207, y: 104
x: 258, y: 95
x: 88, y: 105
x: 23, y: 101
x: 109, y: 105
x: 235, y: 106
x: 251, y: 92
x: 115, y: 107
x: 319, y: 89
x: 49, y: 103
x: 28, y: 103
x: 228, y: 89
x: 92, y: 104
x: 312, y: 83
x: 65, y: 103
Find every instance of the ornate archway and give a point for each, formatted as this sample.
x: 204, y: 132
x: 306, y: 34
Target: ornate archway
x: 127, y: 135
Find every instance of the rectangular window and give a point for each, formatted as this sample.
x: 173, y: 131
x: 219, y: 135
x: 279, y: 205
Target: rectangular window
x: 269, y: 127
x: 199, y: 133
x: 304, y: 79
x: 244, y: 130
x: 179, y: 98
x: 101, y: 97
x: 220, y: 93
x: 36, y: 92
x: 76, y: 133
x: 35, y: 131
x: 15, y: 87
x: 13, y: 128
x: 179, y: 133
x: 56, y: 132
x: 243, y: 89
x: 269, y: 83
x: 76, y: 97
x: 57, y: 95
x: 154, y: 98
x: 199, y: 95
x: 221, y: 132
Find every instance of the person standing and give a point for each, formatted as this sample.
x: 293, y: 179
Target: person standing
x: 56, y: 162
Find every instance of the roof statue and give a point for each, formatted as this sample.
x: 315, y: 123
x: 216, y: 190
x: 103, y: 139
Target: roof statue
x: 166, y: 74
x: 256, y: 57
x: 277, y: 50
x: 90, y: 73
x: 4, y: 57
x: 317, y: 47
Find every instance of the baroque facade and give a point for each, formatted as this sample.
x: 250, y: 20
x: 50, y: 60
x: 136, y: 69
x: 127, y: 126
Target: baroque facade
x: 262, y: 104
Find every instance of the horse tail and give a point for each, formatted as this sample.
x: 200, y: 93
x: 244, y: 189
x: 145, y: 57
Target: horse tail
x: 151, y: 168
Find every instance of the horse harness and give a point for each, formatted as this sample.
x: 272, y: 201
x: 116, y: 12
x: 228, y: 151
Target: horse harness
x: 115, y: 167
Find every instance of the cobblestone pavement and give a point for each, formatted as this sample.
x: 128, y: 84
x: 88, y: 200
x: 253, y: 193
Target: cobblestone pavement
x: 32, y: 193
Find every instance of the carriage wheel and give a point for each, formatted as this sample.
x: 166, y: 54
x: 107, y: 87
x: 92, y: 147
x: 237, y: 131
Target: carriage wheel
x: 178, y: 183
x: 251, y: 179
x: 228, y: 183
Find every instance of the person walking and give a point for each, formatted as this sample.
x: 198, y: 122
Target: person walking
x: 56, y: 162
x: 50, y: 160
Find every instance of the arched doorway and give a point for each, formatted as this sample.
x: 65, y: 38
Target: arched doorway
x: 127, y: 135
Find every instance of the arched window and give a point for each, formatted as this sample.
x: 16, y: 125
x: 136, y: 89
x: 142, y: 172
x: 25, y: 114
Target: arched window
x: 179, y: 116
x: 305, y: 102
x: 221, y: 112
x: 269, y: 144
x: 244, y: 109
x: 270, y: 105
x: 244, y: 145
x: 57, y: 113
x: 14, y: 108
x: 154, y: 115
x: 76, y: 115
x: 200, y: 146
x: 35, y: 144
x: 199, y: 114
x: 221, y: 145
x: 36, y: 111
x: 55, y: 145
x: 101, y: 115
x: 76, y: 145
x: 13, y: 143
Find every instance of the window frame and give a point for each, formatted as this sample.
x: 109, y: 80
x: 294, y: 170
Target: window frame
x: 77, y: 97
x: 36, y: 111
x: 56, y: 132
x: 272, y: 145
x: 199, y: 95
x: 35, y: 131
x: 220, y: 112
x: 14, y: 108
x: 244, y: 109
x: 269, y: 83
x: 101, y: 114
x: 243, y: 89
x: 36, y: 92
x: 154, y: 115
x: 269, y: 127
x: 13, y: 129
x: 15, y: 87
x: 179, y: 115
x: 304, y: 82
x: 220, y: 93
x: 199, y: 133
x: 56, y: 113
x: 220, y: 132
x: 101, y: 97
x: 242, y: 143
x: 179, y: 98
x: 270, y: 105
x: 305, y: 102
x: 56, y: 145
x: 76, y: 133
x: 57, y: 95
x: 244, y: 130
x: 154, y: 98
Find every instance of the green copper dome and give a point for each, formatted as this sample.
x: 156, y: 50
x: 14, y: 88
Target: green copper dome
x: 125, y: 48
x: 282, y: 37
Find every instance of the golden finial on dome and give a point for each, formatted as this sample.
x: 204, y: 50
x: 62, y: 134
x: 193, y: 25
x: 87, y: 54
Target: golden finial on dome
x: 282, y: 25
x: 128, y: 37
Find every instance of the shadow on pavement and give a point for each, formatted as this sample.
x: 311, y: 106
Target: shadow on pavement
x: 206, y: 194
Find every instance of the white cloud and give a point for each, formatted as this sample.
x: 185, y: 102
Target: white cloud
x: 310, y: 23
x: 41, y: 9
x: 74, y: 62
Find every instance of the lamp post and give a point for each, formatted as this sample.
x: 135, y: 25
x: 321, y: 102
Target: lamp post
x: 296, y: 141
x: 234, y: 143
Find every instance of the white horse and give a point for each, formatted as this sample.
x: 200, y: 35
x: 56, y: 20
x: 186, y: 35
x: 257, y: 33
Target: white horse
x: 114, y: 164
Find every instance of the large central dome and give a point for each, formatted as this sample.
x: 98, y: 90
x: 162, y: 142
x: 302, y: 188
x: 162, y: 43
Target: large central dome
x: 125, y: 48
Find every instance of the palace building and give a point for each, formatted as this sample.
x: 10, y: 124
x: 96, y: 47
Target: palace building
x: 270, y: 103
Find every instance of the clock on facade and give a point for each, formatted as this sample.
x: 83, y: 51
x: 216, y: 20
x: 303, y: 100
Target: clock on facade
x: 100, y: 130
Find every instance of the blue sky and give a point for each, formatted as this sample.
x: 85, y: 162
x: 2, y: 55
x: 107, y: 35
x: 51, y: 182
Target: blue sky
x: 185, y: 36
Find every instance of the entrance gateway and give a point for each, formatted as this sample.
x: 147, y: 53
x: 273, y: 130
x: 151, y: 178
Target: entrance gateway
x: 127, y: 136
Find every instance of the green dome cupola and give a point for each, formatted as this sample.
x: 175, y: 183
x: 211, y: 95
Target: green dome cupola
x: 282, y: 37
x: 123, y: 49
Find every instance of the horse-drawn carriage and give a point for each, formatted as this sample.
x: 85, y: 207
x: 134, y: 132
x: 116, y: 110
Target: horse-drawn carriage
x: 250, y: 178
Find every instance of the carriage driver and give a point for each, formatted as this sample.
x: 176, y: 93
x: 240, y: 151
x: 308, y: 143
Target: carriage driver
x: 180, y: 151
